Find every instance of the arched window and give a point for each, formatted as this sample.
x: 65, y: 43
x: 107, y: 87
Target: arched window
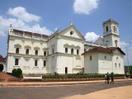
x: 116, y: 43
x: 114, y: 29
x: 44, y: 53
x: 72, y: 51
x: 27, y: 51
x: 90, y: 58
x: 115, y: 64
x: 36, y: 52
x: 66, y: 50
x: 17, y: 50
x: 107, y: 29
x: 17, y: 47
x: 119, y: 65
x: 77, y: 51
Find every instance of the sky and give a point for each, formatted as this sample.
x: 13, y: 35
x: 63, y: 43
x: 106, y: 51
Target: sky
x: 45, y: 16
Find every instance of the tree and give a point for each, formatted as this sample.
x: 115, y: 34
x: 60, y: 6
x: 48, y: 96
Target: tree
x: 1, y: 67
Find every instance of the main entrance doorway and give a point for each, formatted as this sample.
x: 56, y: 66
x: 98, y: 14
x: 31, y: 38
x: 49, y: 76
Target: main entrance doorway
x: 66, y: 70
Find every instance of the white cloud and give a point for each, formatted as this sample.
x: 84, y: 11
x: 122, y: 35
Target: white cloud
x: 127, y: 48
x: 21, y: 13
x: 21, y: 22
x: 37, y: 28
x: 124, y: 44
x: 85, y: 6
x: 91, y: 36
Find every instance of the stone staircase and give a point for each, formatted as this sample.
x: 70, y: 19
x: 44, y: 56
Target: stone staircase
x: 7, y: 77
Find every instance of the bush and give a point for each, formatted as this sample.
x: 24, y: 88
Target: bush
x: 72, y: 76
x: 78, y: 76
x: 1, y: 67
x: 17, y: 72
x: 14, y: 72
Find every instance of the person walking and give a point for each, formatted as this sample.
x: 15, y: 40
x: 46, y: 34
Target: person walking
x: 108, y: 78
x: 112, y: 77
x: 105, y: 78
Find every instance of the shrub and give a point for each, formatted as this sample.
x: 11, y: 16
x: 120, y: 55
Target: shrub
x: 17, y: 72
x: 14, y: 72
x: 78, y: 76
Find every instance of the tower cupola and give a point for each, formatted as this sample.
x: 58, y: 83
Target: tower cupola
x: 111, y: 33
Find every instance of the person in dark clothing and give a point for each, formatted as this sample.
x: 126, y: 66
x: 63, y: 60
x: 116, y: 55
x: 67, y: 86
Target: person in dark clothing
x: 112, y: 77
x: 108, y: 78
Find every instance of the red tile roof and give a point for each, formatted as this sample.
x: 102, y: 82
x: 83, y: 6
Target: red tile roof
x: 104, y: 50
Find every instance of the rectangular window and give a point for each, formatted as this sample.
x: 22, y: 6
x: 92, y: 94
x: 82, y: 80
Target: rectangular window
x: 36, y: 63
x: 36, y: 52
x: 44, y: 63
x: 72, y: 51
x: 44, y: 53
x: 27, y: 51
x: 66, y: 50
x: 16, y: 61
x: 77, y: 51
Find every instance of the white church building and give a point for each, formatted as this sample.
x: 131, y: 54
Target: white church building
x: 65, y: 51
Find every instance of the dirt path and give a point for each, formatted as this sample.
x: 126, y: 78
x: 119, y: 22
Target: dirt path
x: 113, y: 93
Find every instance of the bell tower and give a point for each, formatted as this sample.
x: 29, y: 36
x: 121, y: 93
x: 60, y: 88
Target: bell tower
x: 111, y: 33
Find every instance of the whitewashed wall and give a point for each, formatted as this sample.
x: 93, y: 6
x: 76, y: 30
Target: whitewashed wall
x: 119, y: 69
x: 105, y: 63
x: 26, y: 62
x: 91, y: 66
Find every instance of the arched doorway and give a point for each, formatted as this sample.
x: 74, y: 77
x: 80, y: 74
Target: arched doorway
x: 66, y: 70
x: 1, y: 67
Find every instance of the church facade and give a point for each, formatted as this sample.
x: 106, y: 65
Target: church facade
x: 65, y: 51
